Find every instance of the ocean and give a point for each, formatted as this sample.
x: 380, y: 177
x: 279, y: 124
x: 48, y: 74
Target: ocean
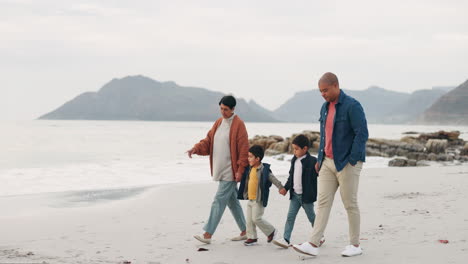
x: 59, y: 156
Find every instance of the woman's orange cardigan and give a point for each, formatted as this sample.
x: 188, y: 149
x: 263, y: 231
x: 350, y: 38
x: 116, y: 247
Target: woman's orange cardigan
x: 239, y: 145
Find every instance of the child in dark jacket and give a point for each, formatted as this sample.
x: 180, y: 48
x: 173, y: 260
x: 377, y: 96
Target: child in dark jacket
x: 255, y: 187
x: 302, y: 187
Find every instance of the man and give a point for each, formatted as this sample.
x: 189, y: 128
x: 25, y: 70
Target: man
x: 343, y: 136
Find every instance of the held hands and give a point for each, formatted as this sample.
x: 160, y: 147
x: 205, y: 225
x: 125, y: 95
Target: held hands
x: 238, y: 177
x: 283, y: 191
x: 317, y: 167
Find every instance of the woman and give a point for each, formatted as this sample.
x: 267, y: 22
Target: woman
x: 227, y: 145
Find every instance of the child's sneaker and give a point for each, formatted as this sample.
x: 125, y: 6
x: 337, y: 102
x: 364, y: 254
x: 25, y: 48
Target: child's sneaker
x: 271, y: 236
x: 250, y: 242
x: 351, y: 251
x: 282, y: 243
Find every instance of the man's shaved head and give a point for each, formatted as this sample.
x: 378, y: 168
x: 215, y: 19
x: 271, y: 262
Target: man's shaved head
x: 329, y: 78
x: 329, y: 87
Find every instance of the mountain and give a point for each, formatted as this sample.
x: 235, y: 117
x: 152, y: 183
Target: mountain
x: 141, y: 98
x: 302, y: 107
x: 305, y: 106
x: 414, y: 106
x: 443, y: 88
x: 255, y: 106
x: 380, y: 105
x: 451, y: 108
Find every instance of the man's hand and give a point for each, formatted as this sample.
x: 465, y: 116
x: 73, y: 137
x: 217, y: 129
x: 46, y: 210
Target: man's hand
x: 283, y: 191
x: 190, y: 152
x: 317, y: 167
x: 238, y: 177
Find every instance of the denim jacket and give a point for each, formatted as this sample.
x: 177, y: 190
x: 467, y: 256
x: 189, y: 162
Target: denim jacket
x: 349, y: 132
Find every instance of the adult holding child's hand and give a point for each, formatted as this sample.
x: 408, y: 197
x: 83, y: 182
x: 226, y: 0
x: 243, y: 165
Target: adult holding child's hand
x: 342, y: 151
x: 283, y: 191
x: 227, y: 145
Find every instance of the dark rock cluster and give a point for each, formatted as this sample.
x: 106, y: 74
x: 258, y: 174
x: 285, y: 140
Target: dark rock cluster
x: 415, y: 149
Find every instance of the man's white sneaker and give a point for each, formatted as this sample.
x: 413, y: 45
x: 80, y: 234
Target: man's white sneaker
x: 202, y: 239
x: 351, y: 251
x: 307, y: 249
x: 281, y: 243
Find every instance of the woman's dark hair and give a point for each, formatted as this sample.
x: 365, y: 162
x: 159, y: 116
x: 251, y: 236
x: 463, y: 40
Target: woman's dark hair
x: 257, y: 151
x: 228, y: 101
x: 301, y: 141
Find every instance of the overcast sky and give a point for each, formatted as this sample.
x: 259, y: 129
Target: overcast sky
x: 53, y: 50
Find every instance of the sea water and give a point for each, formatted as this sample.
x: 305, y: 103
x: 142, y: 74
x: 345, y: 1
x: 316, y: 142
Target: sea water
x: 44, y: 156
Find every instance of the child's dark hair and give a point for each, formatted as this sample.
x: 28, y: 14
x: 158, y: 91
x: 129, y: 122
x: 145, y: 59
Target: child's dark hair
x: 228, y: 101
x: 257, y: 151
x: 301, y: 141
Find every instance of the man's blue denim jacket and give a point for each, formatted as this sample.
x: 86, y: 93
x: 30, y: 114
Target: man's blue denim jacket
x: 349, y: 132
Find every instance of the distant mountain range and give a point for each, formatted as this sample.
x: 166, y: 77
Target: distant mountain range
x: 141, y: 98
x: 380, y: 105
x: 451, y: 108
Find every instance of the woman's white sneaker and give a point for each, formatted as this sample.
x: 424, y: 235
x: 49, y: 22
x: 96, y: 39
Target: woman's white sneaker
x: 239, y: 238
x: 202, y: 239
x: 281, y: 243
x: 351, y: 251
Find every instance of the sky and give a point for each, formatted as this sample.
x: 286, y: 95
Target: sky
x: 53, y: 50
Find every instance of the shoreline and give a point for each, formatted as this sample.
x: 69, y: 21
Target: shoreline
x: 281, y: 165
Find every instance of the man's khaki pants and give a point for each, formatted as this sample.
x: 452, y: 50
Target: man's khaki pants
x: 328, y: 182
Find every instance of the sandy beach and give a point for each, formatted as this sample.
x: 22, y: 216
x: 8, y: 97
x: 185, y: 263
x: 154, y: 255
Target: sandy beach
x: 404, y: 211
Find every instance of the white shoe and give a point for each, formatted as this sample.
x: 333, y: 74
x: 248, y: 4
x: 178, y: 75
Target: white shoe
x: 281, y: 243
x: 202, y: 239
x: 239, y: 238
x: 307, y: 249
x: 351, y: 251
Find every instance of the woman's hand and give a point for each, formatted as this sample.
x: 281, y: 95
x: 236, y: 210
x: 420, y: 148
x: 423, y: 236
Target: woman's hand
x: 190, y: 152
